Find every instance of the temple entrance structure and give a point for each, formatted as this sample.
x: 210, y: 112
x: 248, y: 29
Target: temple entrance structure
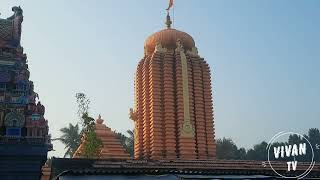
x: 24, y: 139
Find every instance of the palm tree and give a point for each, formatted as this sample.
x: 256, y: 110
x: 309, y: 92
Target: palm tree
x: 71, y: 138
x: 130, y: 142
x: 127, y: 142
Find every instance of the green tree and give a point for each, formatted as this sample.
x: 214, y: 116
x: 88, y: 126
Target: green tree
x: 92, y: 143
x: 226, y: 149
x: 70, y: 138
x: 314, y: 136
x: 130, y: 142
x: 122, y: 138
x: 127, y: 141
x: 241, y: 154
x: 259, y: 152
x: 314, y: 139
x: 294, y: 139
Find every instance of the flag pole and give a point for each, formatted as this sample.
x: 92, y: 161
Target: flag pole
x: 169, y: 22
x: 173, y: 15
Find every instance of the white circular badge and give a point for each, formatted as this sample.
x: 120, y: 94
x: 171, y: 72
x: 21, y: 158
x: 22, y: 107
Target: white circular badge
x: 291, y: 150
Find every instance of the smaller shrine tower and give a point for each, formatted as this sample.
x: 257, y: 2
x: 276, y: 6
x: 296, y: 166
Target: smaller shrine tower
x: 24, y: 138
x: 173, y: 111
x: 111, y: 146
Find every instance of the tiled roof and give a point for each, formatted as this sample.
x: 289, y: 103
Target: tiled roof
x: 194, y: 167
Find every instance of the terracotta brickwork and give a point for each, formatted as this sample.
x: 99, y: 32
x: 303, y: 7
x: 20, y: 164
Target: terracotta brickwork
x: 173, y: 111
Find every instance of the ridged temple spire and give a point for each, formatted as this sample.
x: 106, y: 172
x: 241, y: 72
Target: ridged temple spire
x: 173, y: 101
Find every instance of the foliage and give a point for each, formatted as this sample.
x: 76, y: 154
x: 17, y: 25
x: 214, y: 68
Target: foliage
x: 227, y: 149
x: 127, y: 141
x: 241, y: 153
x: 83, y: 103
x: 83, y: 112
x: 70, y: 138
x: 259, y: 152
x: 92, y: 143
x: 314, y: 138
x: 130, y: 142
x: 294, y: 139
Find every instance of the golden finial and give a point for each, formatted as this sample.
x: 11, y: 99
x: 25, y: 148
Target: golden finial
x: 99, y: 120
x: 168, y: 22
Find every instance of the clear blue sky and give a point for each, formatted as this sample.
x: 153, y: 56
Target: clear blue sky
x: 264, y: 56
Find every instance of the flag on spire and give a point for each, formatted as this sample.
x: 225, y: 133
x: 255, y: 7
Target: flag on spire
x: 170, y: 5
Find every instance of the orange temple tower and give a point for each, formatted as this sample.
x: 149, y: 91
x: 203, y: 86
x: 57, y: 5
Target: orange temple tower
x: 173, y: 111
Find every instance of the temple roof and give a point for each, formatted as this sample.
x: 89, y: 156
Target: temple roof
x: 168, y: 38
x: 195, y: 169
x: 111, y: 146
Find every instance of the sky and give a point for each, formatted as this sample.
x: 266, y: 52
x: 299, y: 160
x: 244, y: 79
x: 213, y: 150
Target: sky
x: 264, y: 56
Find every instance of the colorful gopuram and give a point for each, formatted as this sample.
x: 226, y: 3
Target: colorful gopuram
x: 173, y: 111
x: 111, y: 146
x: 21, y: 115
x: 24, y: 139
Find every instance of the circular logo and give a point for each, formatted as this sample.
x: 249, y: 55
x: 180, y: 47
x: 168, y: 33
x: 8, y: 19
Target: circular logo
x: 289, y: 153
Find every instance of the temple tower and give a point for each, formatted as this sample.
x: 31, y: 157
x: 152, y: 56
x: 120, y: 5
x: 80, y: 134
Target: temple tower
x: 24, y: 139
x: 173, y: 111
